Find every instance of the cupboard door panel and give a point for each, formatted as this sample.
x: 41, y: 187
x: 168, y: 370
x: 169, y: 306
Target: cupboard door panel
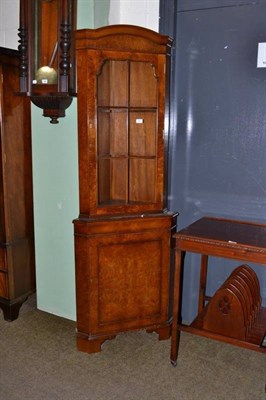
x: 129, y: 281
x: 122, y: 274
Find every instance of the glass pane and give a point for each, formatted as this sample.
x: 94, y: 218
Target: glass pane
x: 112, y: 132
x: 142, y: 133
x: 104, y: 181
x: 46, y: 45
x: 142, y: 183
x: 143, y: 85
x: 113, y: 84
x: 113, y: 181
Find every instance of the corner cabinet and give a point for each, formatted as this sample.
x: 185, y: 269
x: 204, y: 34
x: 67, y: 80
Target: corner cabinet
x: 17, y: 260
x: 123, y: 233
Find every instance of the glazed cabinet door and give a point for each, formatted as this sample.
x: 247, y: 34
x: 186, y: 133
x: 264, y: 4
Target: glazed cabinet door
x: 126, y: 139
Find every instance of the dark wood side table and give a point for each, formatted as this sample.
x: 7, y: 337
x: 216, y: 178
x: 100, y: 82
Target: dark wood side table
x: 219, y: 238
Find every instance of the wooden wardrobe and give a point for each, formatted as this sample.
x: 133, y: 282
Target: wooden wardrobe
x: 17, y: 260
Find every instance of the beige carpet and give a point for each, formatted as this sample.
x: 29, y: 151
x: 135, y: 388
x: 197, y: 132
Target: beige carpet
x: 39, y: 360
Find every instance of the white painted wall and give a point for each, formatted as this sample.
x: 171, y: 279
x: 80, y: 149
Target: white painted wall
x: 55, y: 169
x: 55, y: 181
x: 135, y: 12
x: 9, y: 22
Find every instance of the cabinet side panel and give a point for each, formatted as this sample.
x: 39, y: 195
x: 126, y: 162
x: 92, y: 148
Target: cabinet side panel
x: 16, y: 148
x: 82, y: 267
x: 3, y: 285
x: 2, y: 214
x: 17, y: 227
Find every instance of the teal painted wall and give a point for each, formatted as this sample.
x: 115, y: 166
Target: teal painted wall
x: 101, y: 12
x: 55, y: 179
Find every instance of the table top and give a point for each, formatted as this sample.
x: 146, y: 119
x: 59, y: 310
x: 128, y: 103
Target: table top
x: 225, y: 234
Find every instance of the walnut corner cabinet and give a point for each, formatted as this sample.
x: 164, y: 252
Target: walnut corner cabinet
x: 17, y: 260
x: 124, y: 229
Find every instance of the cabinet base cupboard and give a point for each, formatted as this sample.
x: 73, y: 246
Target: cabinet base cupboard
x: 122, y: 272
x: 17, y: 265
x: 123, y: 232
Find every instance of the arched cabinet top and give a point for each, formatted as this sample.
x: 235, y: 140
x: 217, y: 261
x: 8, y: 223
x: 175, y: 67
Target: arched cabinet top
x: 123, y: 38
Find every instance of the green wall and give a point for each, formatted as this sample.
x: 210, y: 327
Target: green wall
x: 101, y: 12
x: 55, y: 179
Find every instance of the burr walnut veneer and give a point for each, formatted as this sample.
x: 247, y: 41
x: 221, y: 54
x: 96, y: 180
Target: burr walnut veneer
x: 123, y: 233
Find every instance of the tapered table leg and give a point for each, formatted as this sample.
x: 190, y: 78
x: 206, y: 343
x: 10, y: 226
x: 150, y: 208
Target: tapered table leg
x: 203, y: 278
x: 176, y: 306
